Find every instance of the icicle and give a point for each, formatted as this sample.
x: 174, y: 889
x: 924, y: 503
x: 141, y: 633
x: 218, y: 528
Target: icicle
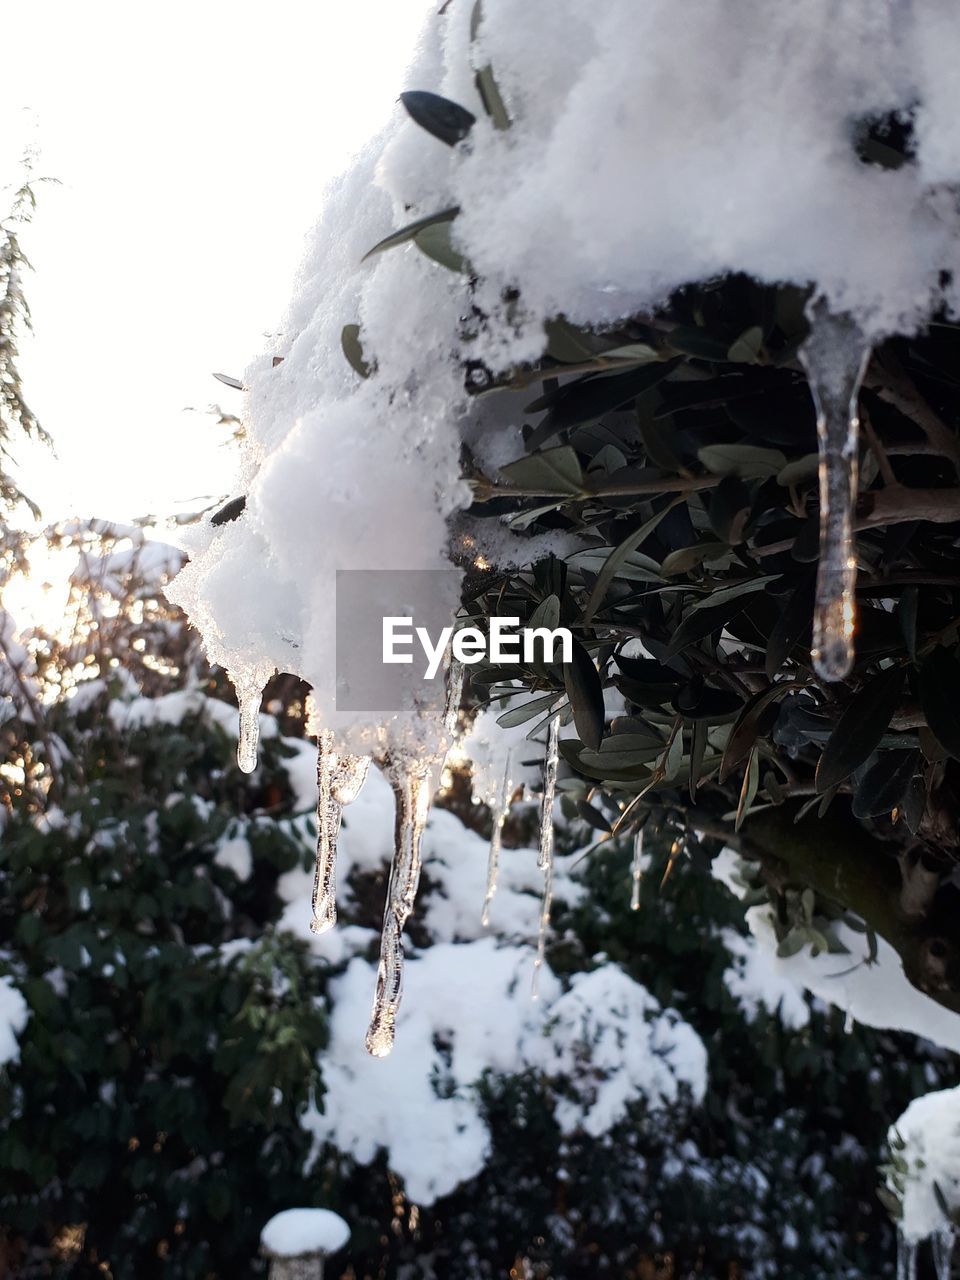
x: 500, y: 810
x: 941, y: 1242
x: 545, y: 854
x: 550, y: 761
x: 546, y: 903
x: 848, y: 1022
x: 637, y: 871
x: 835, y: 357
x: 339, y: 779
x: 454, y: 696
x: 906, y: 1258
x: 249, y: 694
x: 410, y: 781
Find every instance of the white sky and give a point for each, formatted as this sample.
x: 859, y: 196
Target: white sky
x: 192, y: 142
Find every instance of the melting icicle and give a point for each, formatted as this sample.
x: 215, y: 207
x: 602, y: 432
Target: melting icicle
x: 546, y: 903
x: 550, y: 762
x: 410, y: 780
x: 637, y: 871
x: 941, y: 1243
x: 339, y: 779
x: 500, y: 810
x: 906, y: 1258
x: 545, y: 854
x: 835, y: 357
x: 249, y: 694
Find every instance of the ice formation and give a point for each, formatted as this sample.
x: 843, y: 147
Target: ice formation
x: 835, y: 357
x: 339, y: 779
x: 545, y: 848
x: 499, y: 811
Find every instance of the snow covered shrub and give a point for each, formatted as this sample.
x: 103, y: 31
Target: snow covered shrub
x: 172, y: 1037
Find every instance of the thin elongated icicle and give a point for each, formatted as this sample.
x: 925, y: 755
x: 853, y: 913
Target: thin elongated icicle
x: 500, y: 810
x: 546, y: 903
x: 550, y: 762
x: 339, y: 779
x: 410, y: 780
x: 545, y: 852
x: 835, y: 357
x: 941, y: 1242
x: 906, y: 1258
x: 249, y: 695
x: 637, y: 871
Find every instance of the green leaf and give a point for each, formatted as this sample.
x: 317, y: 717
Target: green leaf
x: 350, y: 342
x: 437, y: 243
x: 410, y: 231
x: 736, y: 589
x: 884, y: 786
x: 491, y: 98
x: 697, y: 342
x: 799, y: 469
x: 747, y: 348
x: 585, y: 692
x: 566, y: 343
x: 700, y: 623
x: 748, y: 725
x: 794, y: 621
x: 518, y: 715
x: 551, y: 471
x: 442, y: 118
x: 939, y: 689
x: 860, y: 728
x: 619, y: 554
x: 748, y: 461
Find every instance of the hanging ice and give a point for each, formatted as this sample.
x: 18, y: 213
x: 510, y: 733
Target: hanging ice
x: 249, y: 694
x: 409, y: 779
x: 550, y: 761
x: 501, y: 808
x: 412, y: 778
x: 545, y: 854
x: 637, y: 871
x: 339, y: 779
x: 906, y: 1258
x: 835, y: 357
x: 941, y: 1243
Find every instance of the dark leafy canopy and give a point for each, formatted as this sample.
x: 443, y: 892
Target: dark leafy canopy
x: 680, y: 448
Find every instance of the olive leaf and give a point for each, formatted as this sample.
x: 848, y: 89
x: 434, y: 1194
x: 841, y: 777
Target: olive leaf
x: 442, y: 118
x: 409, y: 232
x: 585, y: 692
x: 350, y: 344
x: 860, y: 728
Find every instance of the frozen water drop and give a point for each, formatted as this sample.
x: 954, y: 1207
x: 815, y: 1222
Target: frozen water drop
x: 339, y: 779
x: 835, y: 357
x: 501, y: 808
x: 546, y: 903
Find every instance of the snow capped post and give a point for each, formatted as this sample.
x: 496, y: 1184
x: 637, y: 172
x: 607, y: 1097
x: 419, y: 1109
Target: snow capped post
x: 298, y: 1241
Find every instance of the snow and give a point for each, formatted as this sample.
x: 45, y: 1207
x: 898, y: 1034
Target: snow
x: 756, y: 982
x: 298, y: 1231
x: 234, y: 853
x: 469, y: 1011
x: 14, y: 1013
x: 930, y: 1130
x: 878, y: 994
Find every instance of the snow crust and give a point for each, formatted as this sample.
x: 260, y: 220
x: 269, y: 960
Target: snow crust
x: 297, y: 1231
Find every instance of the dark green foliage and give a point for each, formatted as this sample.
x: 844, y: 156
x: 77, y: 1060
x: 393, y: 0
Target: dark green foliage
x: 170, y: 1047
